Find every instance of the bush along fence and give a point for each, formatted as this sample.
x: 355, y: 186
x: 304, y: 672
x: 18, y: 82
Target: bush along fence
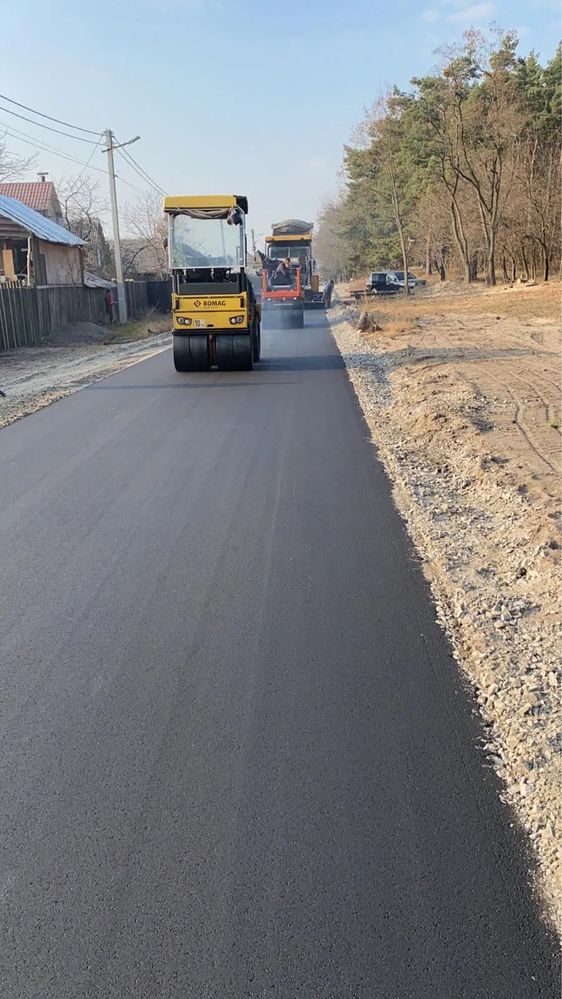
x: 29, y: 315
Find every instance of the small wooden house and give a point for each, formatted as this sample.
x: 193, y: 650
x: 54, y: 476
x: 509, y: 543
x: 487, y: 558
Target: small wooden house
x: 34, y: 250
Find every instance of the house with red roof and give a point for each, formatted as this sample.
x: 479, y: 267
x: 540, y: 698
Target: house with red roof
x: 40, y: 195
x: 34, y: 250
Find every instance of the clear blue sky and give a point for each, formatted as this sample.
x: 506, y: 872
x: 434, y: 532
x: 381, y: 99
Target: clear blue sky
x: 252, y: 97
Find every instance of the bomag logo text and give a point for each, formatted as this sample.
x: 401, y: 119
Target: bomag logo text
x: 211, y: 303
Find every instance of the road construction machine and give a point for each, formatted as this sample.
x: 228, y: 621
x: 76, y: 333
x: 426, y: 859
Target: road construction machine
x: 216, y: 318
x: 292, y: 239
x: 282, y: 298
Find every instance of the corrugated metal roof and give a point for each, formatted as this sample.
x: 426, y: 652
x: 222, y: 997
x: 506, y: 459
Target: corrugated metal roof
x: 36, y: 194
x: 37, y: 224
x: 93, y: 281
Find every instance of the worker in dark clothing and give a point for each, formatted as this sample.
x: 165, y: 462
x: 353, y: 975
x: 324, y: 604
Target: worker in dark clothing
x: 328, y: 289
x: 282, y: 273
x: 108, y: 301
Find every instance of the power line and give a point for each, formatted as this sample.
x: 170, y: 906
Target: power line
x: 78, y: 128
x: 128, y: 183
x: 87, y: 163
x: 25, y: 137
x: 49, y: 127
x: 141, y: 172
x: 29, y: 140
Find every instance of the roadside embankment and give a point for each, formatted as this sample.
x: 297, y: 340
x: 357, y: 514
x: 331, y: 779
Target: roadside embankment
x: 34, y: 377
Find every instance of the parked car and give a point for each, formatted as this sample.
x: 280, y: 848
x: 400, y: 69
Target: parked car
x: 396, y: 279
x: 378, y: 284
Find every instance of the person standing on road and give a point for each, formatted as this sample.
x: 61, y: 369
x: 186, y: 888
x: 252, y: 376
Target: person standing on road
x: 108, y: 300
x: 328, y: 289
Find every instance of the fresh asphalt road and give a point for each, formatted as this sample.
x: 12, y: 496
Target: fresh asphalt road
x: 237, y: 759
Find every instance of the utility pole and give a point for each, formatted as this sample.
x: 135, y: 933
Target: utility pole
x: 121, y: 297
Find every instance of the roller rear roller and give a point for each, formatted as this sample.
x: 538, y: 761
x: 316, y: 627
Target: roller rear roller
x: 234, y: 351
x: 191, y: 353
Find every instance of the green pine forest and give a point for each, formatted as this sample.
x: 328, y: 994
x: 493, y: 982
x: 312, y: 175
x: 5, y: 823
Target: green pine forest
x: 458, y: 175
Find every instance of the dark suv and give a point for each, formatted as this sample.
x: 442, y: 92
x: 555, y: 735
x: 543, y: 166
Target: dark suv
x: 378, y: 284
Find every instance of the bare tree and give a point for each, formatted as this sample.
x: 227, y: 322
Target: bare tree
x: 432, y: 230
x: 146, y: 222
x: 329, y: 245
x: 436, y: 100
x: 82, y: 206
x: 391, y: 174
x: 486, y: 118
x: 12, y: 166
x: 538, y: 176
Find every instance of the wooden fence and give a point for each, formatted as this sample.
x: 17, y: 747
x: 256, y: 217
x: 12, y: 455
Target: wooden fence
x: 137, y: 298
x: 20, y: 324
x: 29, y: 315
x: 60, y: 305
x: 143, y: 295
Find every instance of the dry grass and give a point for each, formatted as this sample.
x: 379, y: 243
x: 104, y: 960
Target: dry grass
x: 139, y: 329
x: 398, y: 314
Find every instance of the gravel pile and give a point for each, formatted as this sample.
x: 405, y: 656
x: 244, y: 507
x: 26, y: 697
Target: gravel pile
x: 492, y: 559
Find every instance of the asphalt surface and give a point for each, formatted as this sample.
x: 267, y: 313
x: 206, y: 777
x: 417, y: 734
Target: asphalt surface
x: 237, y: 759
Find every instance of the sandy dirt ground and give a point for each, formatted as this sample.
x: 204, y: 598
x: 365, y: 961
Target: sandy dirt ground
x: 461, y: 393
x: 34, y: 377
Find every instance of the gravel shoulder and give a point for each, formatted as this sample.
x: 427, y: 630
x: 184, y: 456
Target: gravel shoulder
x: 34, y: 377
x: 461, y: 394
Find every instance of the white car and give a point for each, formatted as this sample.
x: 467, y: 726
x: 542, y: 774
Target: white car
x: 396, y: 278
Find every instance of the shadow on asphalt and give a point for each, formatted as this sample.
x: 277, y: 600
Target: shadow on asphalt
x: 203, y: 382
x: 227, y: 379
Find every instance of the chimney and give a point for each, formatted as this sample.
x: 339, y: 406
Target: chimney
x: 42, y: 174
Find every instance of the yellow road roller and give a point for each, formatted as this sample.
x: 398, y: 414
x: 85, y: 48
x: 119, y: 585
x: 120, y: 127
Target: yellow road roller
x: 216, y: 318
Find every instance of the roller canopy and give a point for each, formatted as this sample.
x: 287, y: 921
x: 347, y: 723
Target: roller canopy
x: 215, y: 206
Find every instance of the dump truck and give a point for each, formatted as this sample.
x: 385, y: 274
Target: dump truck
x: 216, y: 318
x: 293, y: 239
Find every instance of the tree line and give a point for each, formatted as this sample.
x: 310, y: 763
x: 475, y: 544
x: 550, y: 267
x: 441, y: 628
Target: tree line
x: 460, y: 173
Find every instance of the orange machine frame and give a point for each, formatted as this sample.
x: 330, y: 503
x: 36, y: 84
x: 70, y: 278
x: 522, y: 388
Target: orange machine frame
x: 284, y: 294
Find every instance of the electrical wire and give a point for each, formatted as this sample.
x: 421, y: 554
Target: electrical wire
x: 140, y: 171
x: 48, y: 127
x: 23, y: 137
x: 144, y: 172
x: 87, y: 163
x: 31, y: 141
x: 77, y: 128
